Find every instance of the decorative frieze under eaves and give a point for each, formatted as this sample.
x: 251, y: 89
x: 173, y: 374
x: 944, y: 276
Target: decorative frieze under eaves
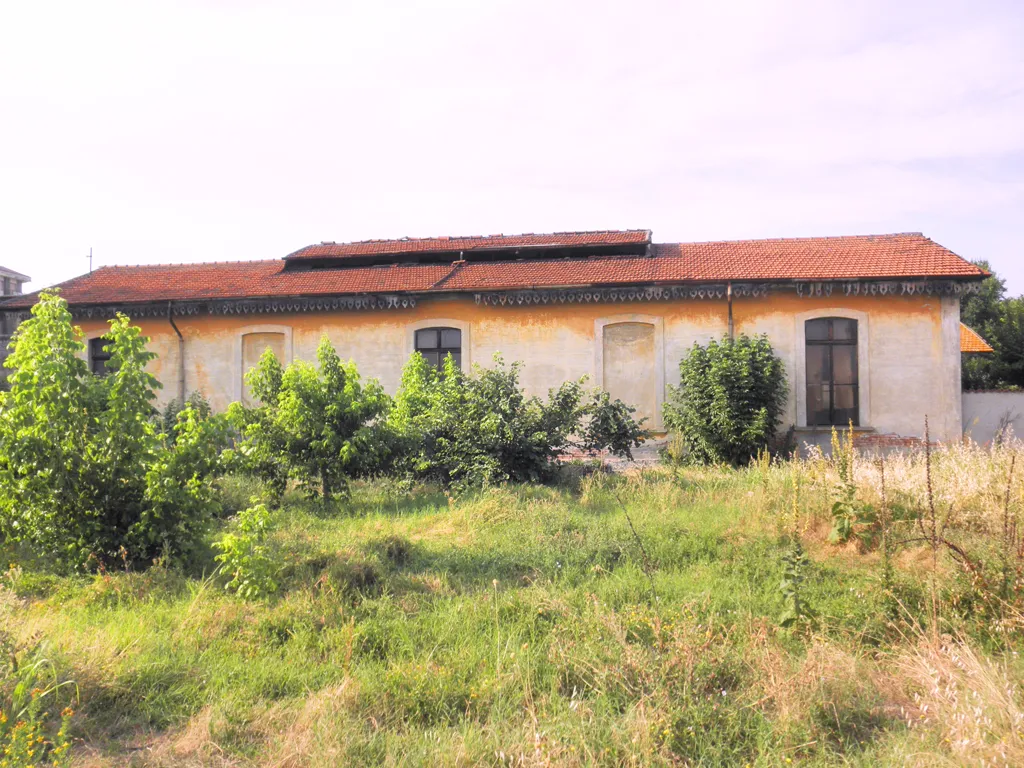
x: 700, y: 292
x: 251, y: 306
x: 547, y: 296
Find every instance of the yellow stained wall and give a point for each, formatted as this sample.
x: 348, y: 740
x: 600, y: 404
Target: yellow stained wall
x: 912, y: 367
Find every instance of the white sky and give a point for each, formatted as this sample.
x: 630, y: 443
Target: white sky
x: 204, y: 131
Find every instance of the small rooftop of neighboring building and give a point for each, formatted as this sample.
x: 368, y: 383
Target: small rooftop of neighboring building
x: 7, y: 272
x: 521, y: 262
x: 11, y: 282
x: 971, y: 341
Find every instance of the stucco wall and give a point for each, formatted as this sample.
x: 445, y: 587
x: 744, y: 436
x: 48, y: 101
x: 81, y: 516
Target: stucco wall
x: 909, y: 363
x: 988, y: 414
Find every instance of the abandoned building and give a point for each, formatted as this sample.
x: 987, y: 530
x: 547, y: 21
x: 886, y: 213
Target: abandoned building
x: 868, y: 326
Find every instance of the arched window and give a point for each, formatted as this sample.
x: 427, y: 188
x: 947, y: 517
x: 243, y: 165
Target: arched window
x: 435, y: 344
x: 253, y: 347
x: 833, y: 395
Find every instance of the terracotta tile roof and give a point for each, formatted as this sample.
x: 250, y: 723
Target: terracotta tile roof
x: 239, y: 279
x: 908, y: 254
x: 971, y: 341
x: 409, y: 245
x: 825, y: 258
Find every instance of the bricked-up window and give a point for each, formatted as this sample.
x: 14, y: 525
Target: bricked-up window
x: 253, y: 347
x: 435, y: 344
x: 832, y: 386
x: 98, y: 357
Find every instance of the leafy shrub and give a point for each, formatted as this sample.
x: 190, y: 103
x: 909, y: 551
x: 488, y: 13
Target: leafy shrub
x: 169, y: 416
x: 84, y: 475
x: 261, y: 453
x: 314, y: 424
x: 729, y: 401
x: 245, y: 557
x: 480, y: 428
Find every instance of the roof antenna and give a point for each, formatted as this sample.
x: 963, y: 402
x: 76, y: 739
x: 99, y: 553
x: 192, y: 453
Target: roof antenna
x: 89, y: 257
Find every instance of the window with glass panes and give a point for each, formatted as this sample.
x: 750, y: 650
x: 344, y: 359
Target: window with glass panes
x: 98, y: 357
x: 435, y: 344
x: 832, y: 389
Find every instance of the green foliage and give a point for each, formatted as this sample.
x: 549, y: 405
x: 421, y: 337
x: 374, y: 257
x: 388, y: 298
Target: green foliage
x: 850, y: 516
x: 393, y: 616
x: 84, y: 475
x: 261, y: 452
x: 318, y: 425
x: 180, y: 497
x: 480, y: 428
x: 1000, y: 321
x: 981, y: 309
x: 31, y: 734
x: 729, y: 401
x: 1006, y: 335
x: 796, y: 610
x: 168, y: 418
x: 245, y: 557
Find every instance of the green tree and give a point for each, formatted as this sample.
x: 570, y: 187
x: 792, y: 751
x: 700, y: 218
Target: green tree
x: 261, y: 452
x: 1006, y: 335
x: 981, y: 312
x: 317, y: 424
x: 85, y: 477
x: 999, y: 320
x: 729, y: 400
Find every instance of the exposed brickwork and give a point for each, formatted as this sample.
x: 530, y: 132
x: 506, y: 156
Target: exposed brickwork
x: 875, y: 441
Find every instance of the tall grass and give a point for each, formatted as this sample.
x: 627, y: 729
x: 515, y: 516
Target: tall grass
x: 619, y: 620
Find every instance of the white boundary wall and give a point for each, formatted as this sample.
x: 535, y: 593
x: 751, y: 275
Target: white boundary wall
x: 988, y: 414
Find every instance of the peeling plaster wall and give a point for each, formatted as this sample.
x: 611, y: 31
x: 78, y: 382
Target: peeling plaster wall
x: 912, y: 367
x: 913, y: 355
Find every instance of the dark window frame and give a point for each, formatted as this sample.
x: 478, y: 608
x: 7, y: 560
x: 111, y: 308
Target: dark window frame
x: 98, y: 358
x: 831, y: 342
x: 436, y: 349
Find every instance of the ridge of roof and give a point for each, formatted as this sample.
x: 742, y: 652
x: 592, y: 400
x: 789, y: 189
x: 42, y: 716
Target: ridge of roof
x: 445, y: 243
x: 173, y: 264
x: 805, y: 238
x: 442, y: 238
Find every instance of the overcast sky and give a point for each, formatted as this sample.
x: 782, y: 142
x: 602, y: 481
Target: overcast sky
x: 210, y: 131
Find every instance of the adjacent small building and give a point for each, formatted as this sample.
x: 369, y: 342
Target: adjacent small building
x: 868, y: 326
x: 11, y: 283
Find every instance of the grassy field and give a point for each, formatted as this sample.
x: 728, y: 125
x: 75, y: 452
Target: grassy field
x: 526, y: 626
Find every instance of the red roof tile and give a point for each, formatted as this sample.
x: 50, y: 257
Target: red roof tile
x: 971, y: 341
x: 816, y: 259
x: 909, y: 254
x: 409, y: 245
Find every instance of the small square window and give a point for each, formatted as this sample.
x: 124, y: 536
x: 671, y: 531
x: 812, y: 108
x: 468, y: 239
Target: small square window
x: 98, y: 356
